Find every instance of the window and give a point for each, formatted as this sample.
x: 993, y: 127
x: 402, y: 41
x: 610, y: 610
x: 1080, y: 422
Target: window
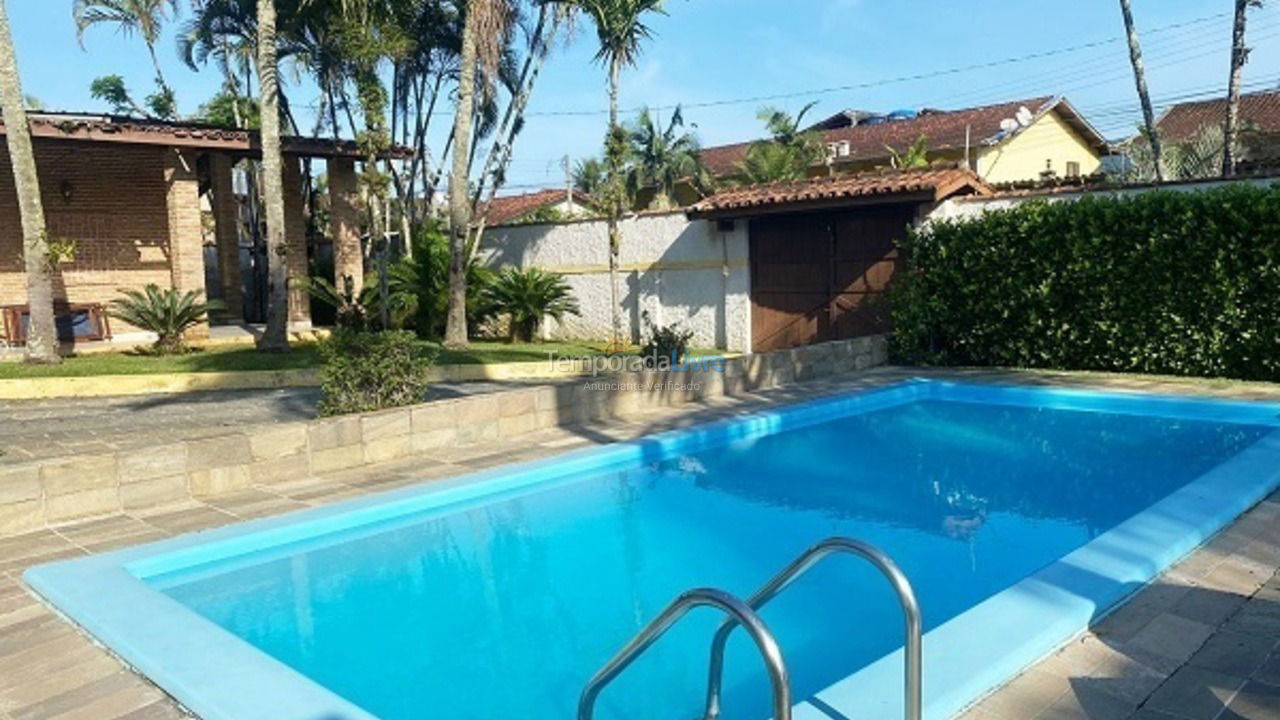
x: 1073, y: 169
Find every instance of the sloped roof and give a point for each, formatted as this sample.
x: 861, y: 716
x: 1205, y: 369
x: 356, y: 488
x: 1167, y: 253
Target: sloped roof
x: 926, y: 185
x: 92, y: 127
x: 944, y: 130
x: 513, y: 207
x: 1184, y: 121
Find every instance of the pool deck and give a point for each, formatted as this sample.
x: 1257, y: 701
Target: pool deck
x: 1200, y: 643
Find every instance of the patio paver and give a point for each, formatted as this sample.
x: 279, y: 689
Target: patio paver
x: 1203, y: 641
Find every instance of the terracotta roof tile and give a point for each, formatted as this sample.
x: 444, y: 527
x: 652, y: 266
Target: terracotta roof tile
x: 934, y: 183
x: 945, y: 130
x: 513, y: 207
x: 1258, y: 111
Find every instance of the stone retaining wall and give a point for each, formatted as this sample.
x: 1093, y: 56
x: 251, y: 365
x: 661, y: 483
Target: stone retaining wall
x: 58, y: 490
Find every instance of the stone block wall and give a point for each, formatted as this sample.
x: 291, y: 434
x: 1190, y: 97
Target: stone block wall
x: 60, y: 490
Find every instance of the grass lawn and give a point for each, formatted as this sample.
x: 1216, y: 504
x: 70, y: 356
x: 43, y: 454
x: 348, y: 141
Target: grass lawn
x: 239, y: 359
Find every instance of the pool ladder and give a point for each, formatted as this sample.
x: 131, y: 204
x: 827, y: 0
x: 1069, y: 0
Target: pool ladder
x: 744, y: 614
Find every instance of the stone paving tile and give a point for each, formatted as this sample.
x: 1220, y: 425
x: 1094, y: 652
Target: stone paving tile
x: 1167, y: 642
x: 1233, y: 653
x: 1255, y: 701
x: 1195, y: 693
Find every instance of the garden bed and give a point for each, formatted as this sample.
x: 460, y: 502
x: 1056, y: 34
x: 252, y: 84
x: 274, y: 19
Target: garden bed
x: 304, y: 356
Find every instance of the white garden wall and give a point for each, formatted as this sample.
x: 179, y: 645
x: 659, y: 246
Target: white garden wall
x: 680, y: 271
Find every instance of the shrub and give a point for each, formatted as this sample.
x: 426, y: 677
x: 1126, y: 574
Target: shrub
x: 1184, y: 283
x: 164, y: 312
x: 366, y: 371
x: 670, y: 342
x: 345, y: 310
x: 527, y: 297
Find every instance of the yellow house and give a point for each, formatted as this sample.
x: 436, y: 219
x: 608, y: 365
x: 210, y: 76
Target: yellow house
x: 1013, y: 141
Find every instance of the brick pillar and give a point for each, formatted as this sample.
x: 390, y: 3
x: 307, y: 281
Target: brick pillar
x: 226, y: 217
x: 295, y: 230
x: 186, y: 241
x: 344, y: 217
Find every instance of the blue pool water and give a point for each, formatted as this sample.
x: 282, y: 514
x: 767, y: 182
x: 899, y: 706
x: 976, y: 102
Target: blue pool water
x: 503, y: 607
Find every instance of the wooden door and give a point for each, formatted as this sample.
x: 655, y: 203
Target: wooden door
x: 819, y: 277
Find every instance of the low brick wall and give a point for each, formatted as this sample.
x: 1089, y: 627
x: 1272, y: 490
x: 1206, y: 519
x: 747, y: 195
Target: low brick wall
x: 58, y: 490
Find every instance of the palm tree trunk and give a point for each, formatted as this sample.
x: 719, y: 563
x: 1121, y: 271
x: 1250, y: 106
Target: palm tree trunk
x: 276, y: 336
x: 499, y: 158
x: 615, y: 199
x: 455, y: 333
x: 42, y: 334
x: 155, y: 63
x: 1140, y: 80
x: 1239, y: 55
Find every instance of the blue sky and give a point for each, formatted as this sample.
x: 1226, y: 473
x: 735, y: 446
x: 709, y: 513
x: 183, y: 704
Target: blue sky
x: 733, y: 52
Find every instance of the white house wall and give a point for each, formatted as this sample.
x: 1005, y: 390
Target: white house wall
x: 680, y: 271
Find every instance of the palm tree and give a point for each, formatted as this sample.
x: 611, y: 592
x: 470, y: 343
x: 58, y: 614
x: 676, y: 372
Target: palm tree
x: 275, y: 338
x: 663, y: 158
x: 145, y: 17
x: 483, y: 40
x: 42, y: 335
x: 620, y: 30
x: 588, y: 177
x: 1239, y: 56
x: 1140, y: 80
x: 788, y: 153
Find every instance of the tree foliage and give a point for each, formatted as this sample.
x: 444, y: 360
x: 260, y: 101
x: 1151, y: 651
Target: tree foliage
x: 662, y: 158
x: 1184, y: 283
x: 789, y: 152
x: 527, y: 297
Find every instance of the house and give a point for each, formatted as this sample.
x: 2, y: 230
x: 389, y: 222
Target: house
x: 751, y: 268
x: 1011, y: 141
x: 124, y: 197
x: 1259, y: 123
x: 541, y: 206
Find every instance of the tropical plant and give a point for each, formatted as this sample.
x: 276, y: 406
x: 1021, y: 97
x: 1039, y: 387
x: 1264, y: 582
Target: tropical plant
x: 1239, y: 56
x: 620, y: 32
x: 167, y: 313
x: 367, y: 371
x: 349, y: 312
x: 527, y: 297
x: 916, y: 155
x: 275, y: 337
x: 589, y: 177
x: 227, y: 109
x: 144, y: 17
x: 1199, y: 157
x: 664, y: 343
x: 787, y: 155
x: 662, y: 158
x: 42, y: 334
x: 1140, y: 82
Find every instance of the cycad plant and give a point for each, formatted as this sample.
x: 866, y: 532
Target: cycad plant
x: 166, y: 313
x: 529, y: 296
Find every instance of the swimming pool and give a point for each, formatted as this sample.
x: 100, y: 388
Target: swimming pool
x: 1019, y: 514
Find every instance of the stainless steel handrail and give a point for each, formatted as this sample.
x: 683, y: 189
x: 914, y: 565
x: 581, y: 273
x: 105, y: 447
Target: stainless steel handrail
x: 740, y: 613
x: 811, y: 557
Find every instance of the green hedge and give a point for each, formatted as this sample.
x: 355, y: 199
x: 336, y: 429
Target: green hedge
x: 1184, y: 283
